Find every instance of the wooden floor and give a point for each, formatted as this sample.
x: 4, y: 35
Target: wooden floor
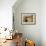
x: 9, y: 43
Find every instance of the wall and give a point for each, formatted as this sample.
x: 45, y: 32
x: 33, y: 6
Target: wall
x: 6, y: 16
x: 6, y: 13
x: 43, y: 22
x: 29, y: 31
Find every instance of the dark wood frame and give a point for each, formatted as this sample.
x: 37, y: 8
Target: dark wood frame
x: 34, y: 19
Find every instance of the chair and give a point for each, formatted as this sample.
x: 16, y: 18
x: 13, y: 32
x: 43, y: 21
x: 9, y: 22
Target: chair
x: 18, y: 39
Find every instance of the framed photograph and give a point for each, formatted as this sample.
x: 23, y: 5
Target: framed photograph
x: 28, y: 18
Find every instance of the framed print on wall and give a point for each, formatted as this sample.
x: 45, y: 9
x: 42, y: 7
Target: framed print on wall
x: 28, y: 18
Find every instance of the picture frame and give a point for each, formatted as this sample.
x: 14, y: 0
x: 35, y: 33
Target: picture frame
x: 28, y: 18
